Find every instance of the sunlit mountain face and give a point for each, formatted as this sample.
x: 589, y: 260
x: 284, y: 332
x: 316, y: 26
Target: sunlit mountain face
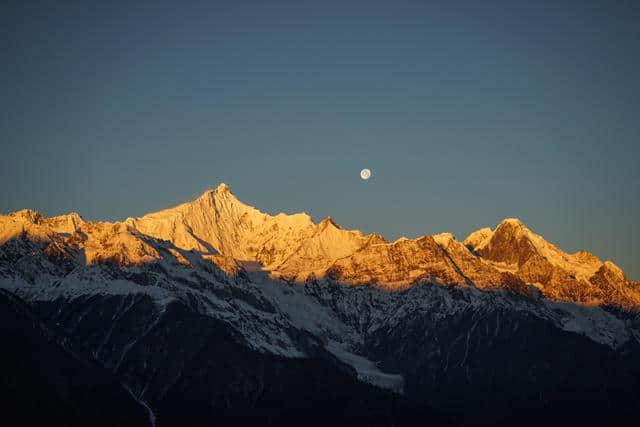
x: 213, y: 312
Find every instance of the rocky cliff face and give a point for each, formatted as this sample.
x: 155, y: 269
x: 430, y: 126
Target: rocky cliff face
x: 580, y: 277
x: 217, y: 307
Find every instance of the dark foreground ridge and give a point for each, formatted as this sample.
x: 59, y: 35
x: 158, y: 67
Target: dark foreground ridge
x: 45, y: 383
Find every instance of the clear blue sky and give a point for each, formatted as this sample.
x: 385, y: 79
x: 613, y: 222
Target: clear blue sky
x: 465, y: 111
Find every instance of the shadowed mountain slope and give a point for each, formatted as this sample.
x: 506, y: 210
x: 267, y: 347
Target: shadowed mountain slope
x: 45, y: 383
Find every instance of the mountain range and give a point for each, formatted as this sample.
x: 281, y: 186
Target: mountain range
x: 212, y: 311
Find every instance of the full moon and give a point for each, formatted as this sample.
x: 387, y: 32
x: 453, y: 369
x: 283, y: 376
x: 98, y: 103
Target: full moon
x: 365, y: 174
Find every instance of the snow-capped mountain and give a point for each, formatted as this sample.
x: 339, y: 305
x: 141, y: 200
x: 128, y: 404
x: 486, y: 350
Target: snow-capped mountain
x: 579, y: 277
x: 218, y: 307
x: 218, y: 223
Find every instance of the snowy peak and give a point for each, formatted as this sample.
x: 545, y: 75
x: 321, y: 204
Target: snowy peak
x: 222, y: 188
x: 515, y: 245
x: 27, y: 215
x: 218, y: 223
x: 227, y: 232
x: 511, y: 242
x: 478, y: 238
x: 578, y: 277
x: 23, y: 224
x: 513, y: 227
x: 513, y: 222
x: 328, y: 222
x: 444, y: 239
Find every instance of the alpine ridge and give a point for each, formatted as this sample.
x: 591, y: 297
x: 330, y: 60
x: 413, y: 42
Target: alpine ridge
x: 217, y: 309
x: 293, y: 247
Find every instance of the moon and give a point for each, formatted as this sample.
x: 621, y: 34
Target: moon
x: 365, y: 174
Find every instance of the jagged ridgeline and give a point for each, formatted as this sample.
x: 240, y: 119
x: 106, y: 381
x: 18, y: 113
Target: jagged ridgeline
x: 213, y: 310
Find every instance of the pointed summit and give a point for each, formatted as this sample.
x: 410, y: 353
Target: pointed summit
x: 511, y: 242
x: 512, y: 221
x: 223, y: 188
x: 514, y: 247
x: 514, y: 225
x: 444, y: 239
x: 328, y: 221
x: 507, y: 232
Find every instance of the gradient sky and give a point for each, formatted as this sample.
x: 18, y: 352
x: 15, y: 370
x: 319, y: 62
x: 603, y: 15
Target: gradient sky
x: 465, y: 111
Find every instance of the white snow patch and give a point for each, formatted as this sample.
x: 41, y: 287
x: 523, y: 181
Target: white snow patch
x: 592, y: 322
x: 367, y: 370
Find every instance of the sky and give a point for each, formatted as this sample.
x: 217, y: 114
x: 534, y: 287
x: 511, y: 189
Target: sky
x: 466, y: 112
